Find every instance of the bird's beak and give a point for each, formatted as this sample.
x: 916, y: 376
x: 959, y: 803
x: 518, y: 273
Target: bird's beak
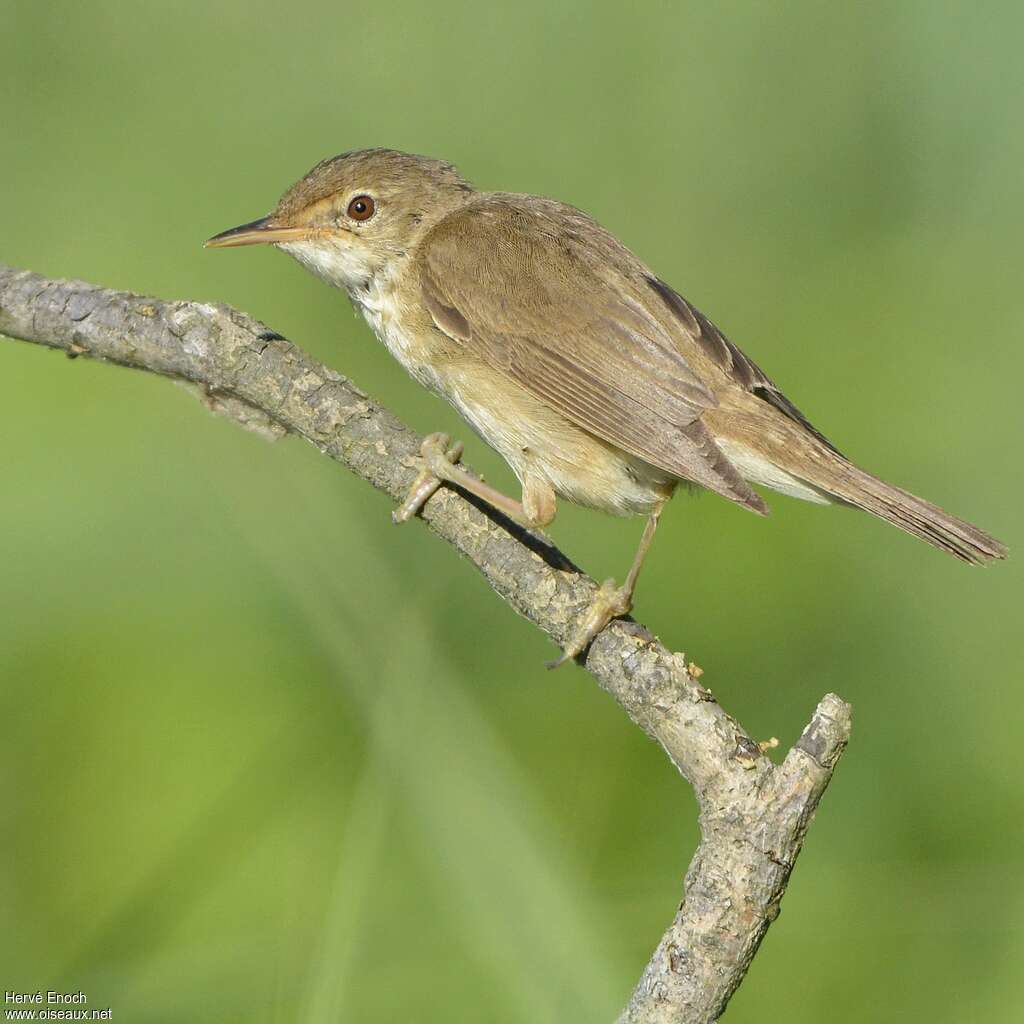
x: 256, y: 232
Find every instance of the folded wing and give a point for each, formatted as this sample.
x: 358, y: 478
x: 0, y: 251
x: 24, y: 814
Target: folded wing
x: 564, y: 310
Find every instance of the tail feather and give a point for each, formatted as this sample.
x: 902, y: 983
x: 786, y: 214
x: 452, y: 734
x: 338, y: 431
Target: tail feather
x: 853, y: 486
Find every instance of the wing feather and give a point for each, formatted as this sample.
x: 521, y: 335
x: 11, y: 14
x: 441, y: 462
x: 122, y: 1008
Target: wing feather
x: 543, y: 307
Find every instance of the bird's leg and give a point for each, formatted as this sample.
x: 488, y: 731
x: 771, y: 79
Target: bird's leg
x: 537, y: 508
x: 611, y: 601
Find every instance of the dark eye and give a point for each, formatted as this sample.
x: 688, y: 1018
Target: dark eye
x: 361, y: 208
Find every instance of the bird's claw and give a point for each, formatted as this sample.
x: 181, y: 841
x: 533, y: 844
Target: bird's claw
x: 438, y: 455
x: 609, y: 603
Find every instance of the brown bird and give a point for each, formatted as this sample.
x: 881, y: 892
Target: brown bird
x: 593, y: 378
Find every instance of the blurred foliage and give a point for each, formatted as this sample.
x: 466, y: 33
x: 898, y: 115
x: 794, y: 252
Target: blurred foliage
x: 267, y: 757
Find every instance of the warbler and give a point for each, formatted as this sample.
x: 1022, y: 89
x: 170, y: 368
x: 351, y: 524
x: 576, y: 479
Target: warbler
x: 593, y: 378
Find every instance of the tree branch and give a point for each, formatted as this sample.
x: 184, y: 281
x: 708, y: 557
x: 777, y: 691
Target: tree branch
x: 753, y: 814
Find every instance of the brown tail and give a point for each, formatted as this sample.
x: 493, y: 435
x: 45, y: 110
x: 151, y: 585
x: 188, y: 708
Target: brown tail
x: 854, y: 486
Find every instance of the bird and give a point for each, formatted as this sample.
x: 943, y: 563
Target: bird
x: 593, y: 378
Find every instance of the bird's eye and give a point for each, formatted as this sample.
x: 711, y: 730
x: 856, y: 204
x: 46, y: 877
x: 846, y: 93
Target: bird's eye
x: 361, y: 208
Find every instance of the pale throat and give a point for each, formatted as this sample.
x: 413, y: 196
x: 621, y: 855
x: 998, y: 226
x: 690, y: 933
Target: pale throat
x: 336, y: 261
x: 370, y: 282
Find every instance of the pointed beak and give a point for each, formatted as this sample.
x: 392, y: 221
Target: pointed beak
x: 256, y: 232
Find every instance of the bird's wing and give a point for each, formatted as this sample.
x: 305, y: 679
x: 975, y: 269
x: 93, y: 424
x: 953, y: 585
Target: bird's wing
x: 740, y: 369
x: 540, y: 293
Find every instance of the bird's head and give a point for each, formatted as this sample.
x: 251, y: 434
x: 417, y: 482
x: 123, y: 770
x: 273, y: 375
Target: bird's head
x: 354, y: 214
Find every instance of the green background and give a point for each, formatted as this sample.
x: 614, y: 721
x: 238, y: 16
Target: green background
x: 267, y: 757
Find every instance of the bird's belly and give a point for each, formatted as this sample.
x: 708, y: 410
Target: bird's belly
x: 538, y: 442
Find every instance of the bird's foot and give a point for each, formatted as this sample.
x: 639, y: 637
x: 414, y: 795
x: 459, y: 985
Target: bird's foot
x: 438, y: 458
x: 609, y: 603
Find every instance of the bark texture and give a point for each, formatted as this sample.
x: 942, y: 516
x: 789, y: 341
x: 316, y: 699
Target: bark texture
x: 753, y: 814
